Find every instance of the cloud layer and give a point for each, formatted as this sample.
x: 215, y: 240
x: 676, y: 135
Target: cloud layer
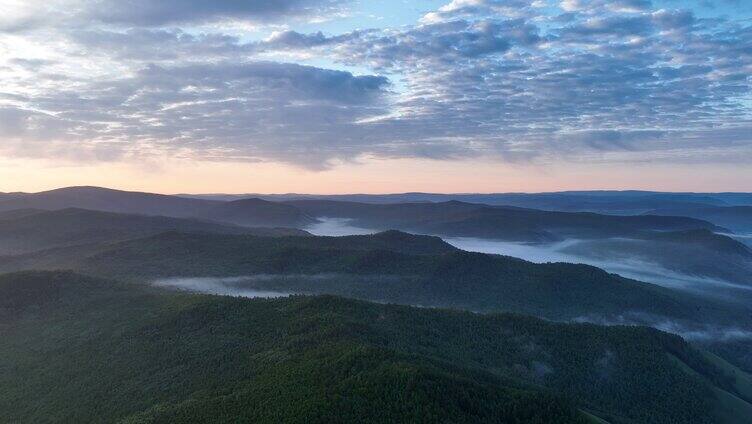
x: 576, y: 80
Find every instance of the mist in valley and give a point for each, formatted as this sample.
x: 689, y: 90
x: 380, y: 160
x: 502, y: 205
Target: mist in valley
x: 745, y: 238
x: 626, y: 266
x: 278, y: 285
x: 689, y: 331
x: 629, y: 267
x: 337, y: 227
x: 229, y: 286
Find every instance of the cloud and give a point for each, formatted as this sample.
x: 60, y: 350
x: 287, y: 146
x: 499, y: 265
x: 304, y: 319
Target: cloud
x: 167, y: 12
x: 609, y: 81
x: 246, y: 111
x: 28, y: 14
x: 702, y: 333
x: 470, y: 8
x: 606, y: 140
x: 449, y: 43
x: 591, y: 6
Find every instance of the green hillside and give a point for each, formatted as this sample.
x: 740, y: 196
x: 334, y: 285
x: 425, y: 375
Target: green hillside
x: 400, y: 268
x: 78, y: 349
x: 391, y: 267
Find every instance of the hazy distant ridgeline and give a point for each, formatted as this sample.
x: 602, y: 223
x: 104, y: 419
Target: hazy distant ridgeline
x: 28, y: 230
x: 735, y: 218
x: 453, y: 218
x: 721, y: 209
x: 102, y: 199
x: 147, y: 356
x: 626, y: 202
x: 603, y: 238
x: 251, y: 212
x: 458, y: 219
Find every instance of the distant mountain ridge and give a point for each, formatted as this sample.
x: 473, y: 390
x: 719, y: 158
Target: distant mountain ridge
x: 250, y: 212
x: 461, y: 219
x: 28, y: 230
x: 629, y: 202
x: 565, y: 200
x: 736, y: 218
x: 109, y: 200
x: 259, y: 214
x: 451, y: 218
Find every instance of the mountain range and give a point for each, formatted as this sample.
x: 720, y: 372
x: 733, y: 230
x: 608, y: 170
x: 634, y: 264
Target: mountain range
x: 152, y: 323
x: 597, y: 236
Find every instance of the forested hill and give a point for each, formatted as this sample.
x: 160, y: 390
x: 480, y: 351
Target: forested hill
x: 134, y: 354
x: 390, y: 267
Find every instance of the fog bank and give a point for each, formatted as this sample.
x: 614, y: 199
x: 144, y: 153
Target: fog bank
x: 337, y: 227
x: 698, y: 333
x: 745, y: 238
x: 553, y: 252
x: 624, y: 266
x: 231, y: 286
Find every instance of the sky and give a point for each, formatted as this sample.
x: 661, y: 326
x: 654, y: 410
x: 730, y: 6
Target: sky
x: 342, y: 96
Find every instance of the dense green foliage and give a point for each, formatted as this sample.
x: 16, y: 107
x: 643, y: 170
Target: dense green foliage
x: 77, y: 349
x: 400, y: 268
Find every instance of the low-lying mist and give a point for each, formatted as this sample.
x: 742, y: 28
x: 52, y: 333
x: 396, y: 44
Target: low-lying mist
x: 337, y: 227
x: 745, y: 238
x: 277, y: 285
x: 629, y: 267
x: 693, y: 332
x: 256, y: 286
x: 281, y: 285
x: 230, y: 286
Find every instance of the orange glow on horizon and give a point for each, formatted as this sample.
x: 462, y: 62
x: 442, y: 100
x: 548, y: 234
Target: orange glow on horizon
x: 372, y: 176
